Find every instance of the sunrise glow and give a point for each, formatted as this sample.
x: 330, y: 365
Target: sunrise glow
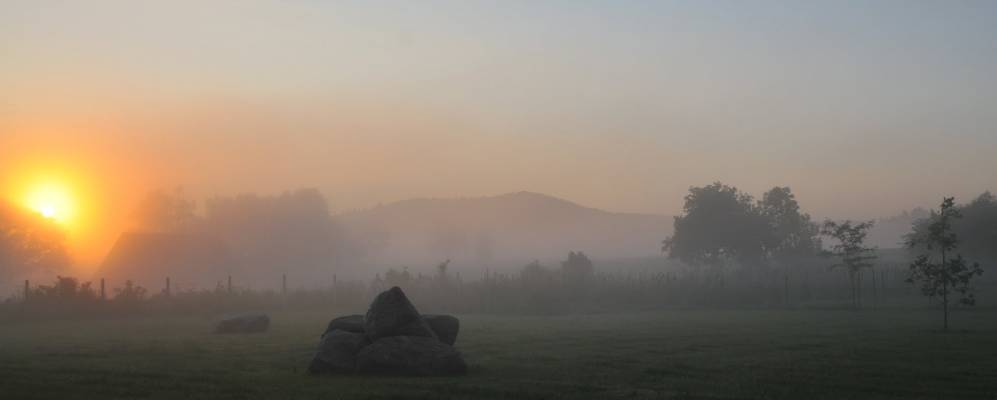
x: 53, y: 200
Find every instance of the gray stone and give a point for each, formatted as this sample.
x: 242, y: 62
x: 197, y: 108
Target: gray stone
x: 243, y: 323
x: 349, y: 323
x: 392, y: 314
x: 444, y: 326
x: 337, y: 352
x: 410, y: 355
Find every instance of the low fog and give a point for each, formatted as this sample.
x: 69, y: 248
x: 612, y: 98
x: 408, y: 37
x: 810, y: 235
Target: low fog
x: 769, y: 199
x: 259, y: 238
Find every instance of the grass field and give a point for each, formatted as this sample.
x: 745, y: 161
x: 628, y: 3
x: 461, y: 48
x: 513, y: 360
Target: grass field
x: 685, y: 354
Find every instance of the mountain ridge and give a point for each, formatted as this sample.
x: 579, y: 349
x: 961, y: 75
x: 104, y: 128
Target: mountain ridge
x: 509, y: 227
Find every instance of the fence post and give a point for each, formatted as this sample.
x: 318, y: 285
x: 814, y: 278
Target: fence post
x: 230, y: 284
x: 27, y: 289
x: 283, y: 285
x: 167, y: 286
x: 102, y: 293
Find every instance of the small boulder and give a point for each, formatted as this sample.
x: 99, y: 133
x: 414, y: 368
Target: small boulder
x: 445, y: 327
x: 337, y: 352
x: 349, y: 323
x: 243, y: 323
x: 392, y: 314
x: 410, y: 355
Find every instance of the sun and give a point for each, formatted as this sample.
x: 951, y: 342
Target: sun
x: 52, y: 200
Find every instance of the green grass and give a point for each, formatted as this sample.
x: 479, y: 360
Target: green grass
x: 685, y: 354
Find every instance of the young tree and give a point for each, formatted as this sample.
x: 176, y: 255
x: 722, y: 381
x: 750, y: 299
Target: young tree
x: 949, y: 274
x: 974, y: 228
x: 850, y: 249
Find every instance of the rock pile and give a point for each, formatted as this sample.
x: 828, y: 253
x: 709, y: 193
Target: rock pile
x: 393, y: 338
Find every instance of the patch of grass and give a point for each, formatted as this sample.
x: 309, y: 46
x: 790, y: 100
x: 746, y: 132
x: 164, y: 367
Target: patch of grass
x: 681, y: 354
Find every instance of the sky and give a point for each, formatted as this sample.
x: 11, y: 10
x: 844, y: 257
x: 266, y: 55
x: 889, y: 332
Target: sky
x: 863, y: 108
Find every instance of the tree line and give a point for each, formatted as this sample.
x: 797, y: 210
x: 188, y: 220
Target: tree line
x: 722, y: 228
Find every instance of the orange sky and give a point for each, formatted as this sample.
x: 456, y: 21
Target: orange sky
x: 863, y: 111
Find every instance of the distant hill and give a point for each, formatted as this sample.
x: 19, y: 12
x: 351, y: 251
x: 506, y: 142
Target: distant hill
x: 497, y: 230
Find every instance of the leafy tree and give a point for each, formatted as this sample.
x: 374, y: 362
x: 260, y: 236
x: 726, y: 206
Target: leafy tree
x: 577, y: 268
x: 29, y: 243
x: 947, y: 274
x: 164, y: 212
x: 535, y: 274
x: 268, y: 234
x: 793, y: 235
x: 977, y: 228
x: 719, y: 225
x: 850, y: 249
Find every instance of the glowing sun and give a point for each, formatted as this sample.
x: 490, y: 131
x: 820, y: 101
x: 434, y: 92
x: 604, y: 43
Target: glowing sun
x: 52, y: 200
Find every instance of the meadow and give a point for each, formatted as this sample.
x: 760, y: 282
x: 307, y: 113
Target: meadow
x: 672, y: 353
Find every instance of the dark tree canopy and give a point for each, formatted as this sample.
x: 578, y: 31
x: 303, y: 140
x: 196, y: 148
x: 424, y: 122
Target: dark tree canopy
x: 577, y: 268
x: 29, y: 243
x: 976, y: 228
x: 160, y: 211
x: 793, y: 235
x: 535, y: 274
x: 721, y: 224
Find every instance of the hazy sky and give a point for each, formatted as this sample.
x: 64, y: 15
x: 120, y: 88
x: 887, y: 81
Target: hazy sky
x: 863, y: 108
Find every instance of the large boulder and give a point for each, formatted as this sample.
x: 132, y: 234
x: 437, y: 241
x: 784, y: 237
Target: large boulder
x: 410, y: 355
x: 243, y: 323
x: 337, y: 352
x: 444, y: 326
x: 391, y: 339
x: 392, y: 314
x: 349, y: 323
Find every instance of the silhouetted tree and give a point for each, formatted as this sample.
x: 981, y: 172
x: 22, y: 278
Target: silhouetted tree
x: 270, y: 234
x: 64, y: 290
x: 950, y: 274
x: 793, y: 235
x: 719, y: 224
x: 29, y: 243
x: 441, y: 272
x: 577, y: 269
x: 850, y: 249
x: 535, y: 274
x: 976, y: 228
x: 160, y: 211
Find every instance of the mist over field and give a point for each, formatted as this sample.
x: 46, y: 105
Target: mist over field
x: 441, y: 199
